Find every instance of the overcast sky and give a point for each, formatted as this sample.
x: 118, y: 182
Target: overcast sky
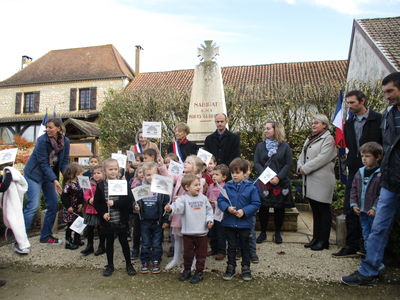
x: 247, y: 31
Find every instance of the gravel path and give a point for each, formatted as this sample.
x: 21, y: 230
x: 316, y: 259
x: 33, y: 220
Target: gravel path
x: 285, y: 260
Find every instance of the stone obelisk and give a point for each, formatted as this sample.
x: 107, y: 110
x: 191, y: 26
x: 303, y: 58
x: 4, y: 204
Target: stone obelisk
x: 207, y: 97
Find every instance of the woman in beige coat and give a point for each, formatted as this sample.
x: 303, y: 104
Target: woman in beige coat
x: 316, y: 164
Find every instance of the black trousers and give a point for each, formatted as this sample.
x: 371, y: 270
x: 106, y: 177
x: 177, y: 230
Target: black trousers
x: 238, y: 237
x: 263, y: 215
x: 322, y: 220
x: 136, y: 232
x: 90, y: 236
x: 123, y: 240
x: 353, y: 226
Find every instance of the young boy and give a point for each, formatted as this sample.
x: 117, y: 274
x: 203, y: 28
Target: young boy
x: 150, y: 155
x: 217, y: 234
x: 364, y: 193
x: 197, y: 219
x: 93, y: 161
x: 239, y: 210
x: 152, y: 222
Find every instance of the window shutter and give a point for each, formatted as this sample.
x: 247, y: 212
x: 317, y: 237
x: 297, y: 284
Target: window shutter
x: 18, y: 100
x: 37, y: 101
x: 72, y: 100
x: 93, y: 98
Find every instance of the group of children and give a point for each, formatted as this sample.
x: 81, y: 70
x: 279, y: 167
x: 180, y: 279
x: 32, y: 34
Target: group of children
x: 196, y: 212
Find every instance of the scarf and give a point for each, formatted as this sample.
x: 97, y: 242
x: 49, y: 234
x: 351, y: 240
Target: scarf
x: 57, y: 145
x: 272, y: 146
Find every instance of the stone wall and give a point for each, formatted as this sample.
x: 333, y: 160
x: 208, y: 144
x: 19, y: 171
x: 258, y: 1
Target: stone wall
x: 55, y: 95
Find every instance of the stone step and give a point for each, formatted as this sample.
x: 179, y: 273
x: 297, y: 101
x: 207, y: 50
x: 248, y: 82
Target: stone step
x: 289, y: 221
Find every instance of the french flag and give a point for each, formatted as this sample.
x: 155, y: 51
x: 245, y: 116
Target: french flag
x: 338, y: 122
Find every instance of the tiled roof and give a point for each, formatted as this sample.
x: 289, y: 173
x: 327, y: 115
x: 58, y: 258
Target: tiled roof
x: 385, y: 33
x: 20, y: 119
x: 303, y: 73
x: 89, y: 63
x: 88, y: 128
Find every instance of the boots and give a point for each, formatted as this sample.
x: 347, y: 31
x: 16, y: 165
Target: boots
x: 70, y: 245
x: 88, y: 250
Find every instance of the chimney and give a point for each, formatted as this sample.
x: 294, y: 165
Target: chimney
x: 26, y: 60
x: 137, y: 59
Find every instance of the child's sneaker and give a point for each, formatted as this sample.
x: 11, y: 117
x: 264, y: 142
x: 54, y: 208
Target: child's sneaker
x: 145, y: 268
x: 246, y: 273
x: 108, y: 270
x: 229, y: 273
x: 50, y: 240
x: 18, y: 250
x: 156, y: 267
x: 130, y: 270
x: 220, y: 256
x: 197, y: 277
x: 185, y: 275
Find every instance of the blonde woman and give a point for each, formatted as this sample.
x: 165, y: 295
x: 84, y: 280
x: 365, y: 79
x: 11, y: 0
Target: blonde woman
x: 316, y: 164
x: 276, y: 154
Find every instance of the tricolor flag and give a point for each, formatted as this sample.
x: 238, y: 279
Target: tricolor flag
x: 177, y: 151
x: 42, y: 129
x: 338, y: 122
x: 137, y: 148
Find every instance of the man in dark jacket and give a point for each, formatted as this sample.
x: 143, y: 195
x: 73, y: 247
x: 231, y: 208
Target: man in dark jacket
x: 223, y: 144
x: 389, y: 201
x: 363, y: 127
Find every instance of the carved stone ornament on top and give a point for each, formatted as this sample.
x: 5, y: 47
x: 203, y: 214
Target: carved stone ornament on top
x: 208, y: 51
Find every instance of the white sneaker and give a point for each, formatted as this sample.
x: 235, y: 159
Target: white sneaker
x: 18, y: 250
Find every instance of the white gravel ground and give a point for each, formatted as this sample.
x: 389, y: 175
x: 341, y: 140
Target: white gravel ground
x: 285, y: 260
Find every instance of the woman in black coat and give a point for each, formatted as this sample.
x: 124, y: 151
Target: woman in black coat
x: 276, y: 154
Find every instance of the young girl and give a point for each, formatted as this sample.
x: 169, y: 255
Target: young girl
x: 169, y: 157
x: 93, y: 161
x: 192, y: 165
x: 72, y: 199
x: 114, y: 214
x: 91, y: 217
x: 138, y: 178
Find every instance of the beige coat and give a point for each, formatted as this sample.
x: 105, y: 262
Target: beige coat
x: 318, y: 165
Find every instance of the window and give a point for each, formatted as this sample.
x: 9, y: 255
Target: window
x: 29, y: 103
x: 87, y: 99
x: 84, y: 99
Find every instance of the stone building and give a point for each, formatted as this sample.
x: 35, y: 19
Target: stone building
x: 70, y: 83
x: 374, y: 49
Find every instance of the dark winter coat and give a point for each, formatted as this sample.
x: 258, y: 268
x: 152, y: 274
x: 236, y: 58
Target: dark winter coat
x: 365, y: 194
x: 278, y: 196
x: 188, y: 148
x: 225, y: 149
x: 371, y: 133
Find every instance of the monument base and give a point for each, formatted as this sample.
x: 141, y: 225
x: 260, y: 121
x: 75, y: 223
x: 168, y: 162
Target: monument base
x: 198, y: 138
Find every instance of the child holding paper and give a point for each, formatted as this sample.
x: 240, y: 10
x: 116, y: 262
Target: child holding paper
x: 169, y: 157
x: 274, y: 153
x: 91, y: 217
x: 239, y: 205
x: 193, y: 165
x: 217, y: 235
x: 114, y: 214
x: 72, y: 200
x: 197, y: 219
x: 152, y: 222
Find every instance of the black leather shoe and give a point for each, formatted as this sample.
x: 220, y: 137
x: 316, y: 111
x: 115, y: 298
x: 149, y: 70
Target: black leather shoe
x: 311, y: 243
x: 185, y: 275
x: 320, y: 245
x: 99, y: 251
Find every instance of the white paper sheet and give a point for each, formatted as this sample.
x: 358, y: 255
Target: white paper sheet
x: 117, y: 187
x: 151, y: 129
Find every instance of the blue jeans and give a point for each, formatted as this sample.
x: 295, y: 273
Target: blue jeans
x: 366, y: 225
x: 152, y: 234
x: 32, y: 205
x: 388, y: 207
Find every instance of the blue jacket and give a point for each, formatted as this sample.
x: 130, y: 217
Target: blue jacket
x: 243, y: 195
x: 38, y: 168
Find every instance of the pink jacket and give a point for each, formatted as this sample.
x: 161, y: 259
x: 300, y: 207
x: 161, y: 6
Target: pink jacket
x: 86, y: 196
x: 213, y: 193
